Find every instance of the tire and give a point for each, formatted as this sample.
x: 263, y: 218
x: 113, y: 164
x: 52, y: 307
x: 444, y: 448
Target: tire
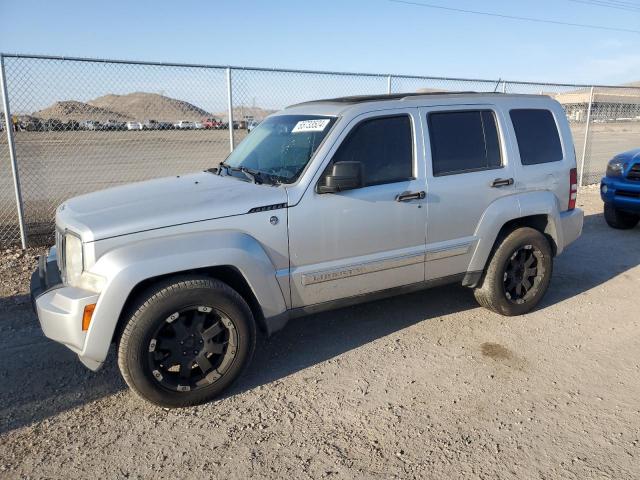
x: 498, y: 292
x: 618, y: 219
x: 185, y: 341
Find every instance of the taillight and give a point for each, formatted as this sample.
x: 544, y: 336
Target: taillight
x: 573, y: 188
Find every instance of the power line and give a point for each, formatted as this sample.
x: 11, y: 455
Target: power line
x: 622, y: 3
x: 619, y: 2
x: 514, y: 17
x: 630, y: 7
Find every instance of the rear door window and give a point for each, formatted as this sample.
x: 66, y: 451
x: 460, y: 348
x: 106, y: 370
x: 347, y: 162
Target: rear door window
x: 464, y: 141
x: 537, y: 135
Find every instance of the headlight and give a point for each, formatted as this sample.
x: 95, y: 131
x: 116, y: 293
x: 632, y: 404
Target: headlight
x: 73, y: 258
x: 615, y: 168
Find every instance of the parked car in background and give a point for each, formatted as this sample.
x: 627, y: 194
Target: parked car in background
x: 252, y: 124
x: 29, y: 124
x: 113, y: 125
x: 184, y: 125
x: 198, y: 125
x: 134, y: 126
x: 52, y: 125
x: 165, y: 126
x: 150, y: 125
x: 212, y: 124
x: 180, y: 272
x: 620, y: 190
x: 72, y: 125
x: 89, y: 125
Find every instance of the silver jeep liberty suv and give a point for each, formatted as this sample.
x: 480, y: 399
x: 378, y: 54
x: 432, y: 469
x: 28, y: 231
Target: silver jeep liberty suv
x: 324, y: 204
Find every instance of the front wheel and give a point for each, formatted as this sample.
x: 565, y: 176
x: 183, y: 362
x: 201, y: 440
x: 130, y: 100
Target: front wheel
x: 518, y: 274
x: 186, y: 341
x: 618, y: 219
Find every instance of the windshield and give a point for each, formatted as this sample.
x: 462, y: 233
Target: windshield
x: 281, y: 146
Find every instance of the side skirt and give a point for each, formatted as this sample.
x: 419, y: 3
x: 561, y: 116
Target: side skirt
x: 273, y: 324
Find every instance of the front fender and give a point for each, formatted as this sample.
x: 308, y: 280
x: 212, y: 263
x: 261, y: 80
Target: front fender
x: 127, y: 266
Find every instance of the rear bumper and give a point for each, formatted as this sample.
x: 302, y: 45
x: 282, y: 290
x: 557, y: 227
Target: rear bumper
x: 60, y: 308
x: 621, y: 193
x: 571, y: 223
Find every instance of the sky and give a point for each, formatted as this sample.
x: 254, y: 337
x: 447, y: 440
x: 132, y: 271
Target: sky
x: 351, y: 35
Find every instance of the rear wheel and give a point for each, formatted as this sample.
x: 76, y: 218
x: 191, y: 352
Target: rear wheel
x: 186, y: 341
x: 518, y: 274
x: 618, y: 219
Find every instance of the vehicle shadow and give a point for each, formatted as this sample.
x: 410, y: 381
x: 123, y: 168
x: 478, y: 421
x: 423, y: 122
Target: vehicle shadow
x: 600, y: 254
x: 316, y: 338
x: 39, y: 378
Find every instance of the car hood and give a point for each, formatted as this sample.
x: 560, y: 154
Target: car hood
x: 631, y: 156
x: 162, y: 203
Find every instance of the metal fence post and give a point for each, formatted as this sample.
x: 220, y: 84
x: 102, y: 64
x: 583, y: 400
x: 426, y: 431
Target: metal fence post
x: 586, y: 137
x: 388, y: 84
x: 504, y: 86
x: 230, y: 108
x: 12, y: 152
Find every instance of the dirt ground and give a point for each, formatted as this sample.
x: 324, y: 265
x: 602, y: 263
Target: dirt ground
x: 427, y: 385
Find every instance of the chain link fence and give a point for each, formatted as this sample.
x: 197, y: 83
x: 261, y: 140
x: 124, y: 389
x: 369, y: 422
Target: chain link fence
x: 80, y: 125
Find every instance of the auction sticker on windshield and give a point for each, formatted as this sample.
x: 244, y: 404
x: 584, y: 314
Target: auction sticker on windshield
x: 311, y: 125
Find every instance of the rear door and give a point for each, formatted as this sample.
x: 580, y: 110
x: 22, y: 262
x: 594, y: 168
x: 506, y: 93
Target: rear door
x: 467, y: 170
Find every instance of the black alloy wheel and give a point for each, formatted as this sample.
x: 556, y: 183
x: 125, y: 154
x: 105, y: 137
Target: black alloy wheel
x: 192, y: 348
x: 518, y: 272
x: 185, y: 340
x: 523, y: 273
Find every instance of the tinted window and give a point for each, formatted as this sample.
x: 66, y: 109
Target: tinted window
x: 464, y: 141
x: 383, y: 146
x: 537, y: 135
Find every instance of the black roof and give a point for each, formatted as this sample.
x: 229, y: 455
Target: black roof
x: 378, y: 98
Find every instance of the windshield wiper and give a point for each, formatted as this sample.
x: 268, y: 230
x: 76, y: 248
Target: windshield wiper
x: 222, y: 165
x: 252, y: 175
x: 255, y: 176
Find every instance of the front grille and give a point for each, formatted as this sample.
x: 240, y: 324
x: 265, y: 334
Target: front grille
x: 60, y: 252
x: 627, y: 193
x: 634, y: 172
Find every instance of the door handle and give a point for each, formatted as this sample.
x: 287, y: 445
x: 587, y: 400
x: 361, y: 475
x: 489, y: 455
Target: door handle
x: 502, y: 182
x: 408, y: 196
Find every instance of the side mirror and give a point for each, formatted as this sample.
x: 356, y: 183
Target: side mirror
x: 344, y: 176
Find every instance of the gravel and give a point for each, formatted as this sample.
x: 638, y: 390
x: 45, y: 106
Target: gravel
x: 16, y: 267
x: 426, y: 385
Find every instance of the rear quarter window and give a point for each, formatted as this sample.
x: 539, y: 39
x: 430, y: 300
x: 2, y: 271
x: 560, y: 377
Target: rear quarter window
x: 537, y: 136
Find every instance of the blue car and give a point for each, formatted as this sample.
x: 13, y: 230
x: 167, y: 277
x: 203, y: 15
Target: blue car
x: 620, y: 190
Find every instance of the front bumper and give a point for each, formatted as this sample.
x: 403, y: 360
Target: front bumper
x: 60, y: 307
x: 622, y: 193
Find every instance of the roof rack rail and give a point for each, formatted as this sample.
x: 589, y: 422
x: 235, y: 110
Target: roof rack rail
x: 392, y: 96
